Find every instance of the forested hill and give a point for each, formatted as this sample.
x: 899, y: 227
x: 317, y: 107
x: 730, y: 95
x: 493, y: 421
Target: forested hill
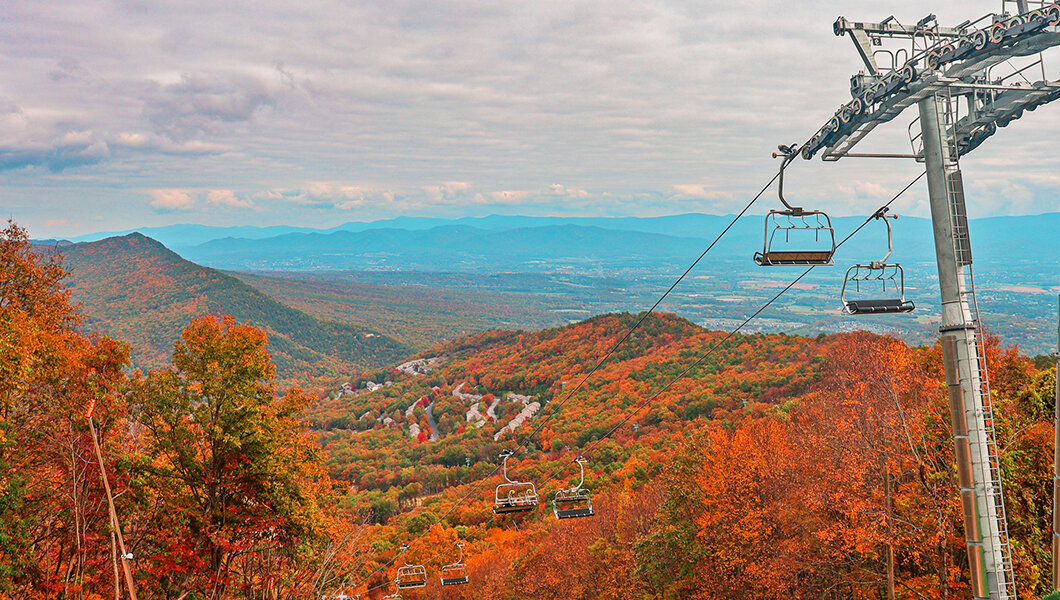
x: 766, y: 469
x: 478, y: 385
x: 136, y: 290
x: 742, y: 467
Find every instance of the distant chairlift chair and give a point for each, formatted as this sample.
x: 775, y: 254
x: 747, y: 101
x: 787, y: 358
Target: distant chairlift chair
x: 456, y: 573
x: 877, y: 272
x: 514, y: 496
x: 410, y: 576
x: 794, y: 221
x: 575, y: 502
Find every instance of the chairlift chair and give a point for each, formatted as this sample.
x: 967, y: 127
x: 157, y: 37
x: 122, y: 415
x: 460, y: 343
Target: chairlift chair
x: 574, y: 502
x: 410, y: 576
x: 514, y: 496
x: 795, y: 221
x: 877, y: 272
x: 456, y: 573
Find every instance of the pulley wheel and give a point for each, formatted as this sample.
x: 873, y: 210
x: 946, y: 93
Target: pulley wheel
x: 980, y: 39
x: 997, y: 32
x: 908, y: 73
x: 933, y: 59
x: 868, y: 97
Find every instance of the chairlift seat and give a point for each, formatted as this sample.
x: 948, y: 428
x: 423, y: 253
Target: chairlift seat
x: 411, y: 576
x: 574, y: 513
x: 877, y: 272
x: 461, y: 580
x: 575, y: 502
x: 515, y: 498
x: 454, y: 575
x: 792, y: 257
x: 505, y: 507
x: 794, y: 221
x: 572, y: 504
x: 884, y: 306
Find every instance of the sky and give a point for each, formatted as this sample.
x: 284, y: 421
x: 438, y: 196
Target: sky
x: 122, y: 114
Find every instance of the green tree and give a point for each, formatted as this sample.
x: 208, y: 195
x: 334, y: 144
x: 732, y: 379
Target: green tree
x: 235, y: 475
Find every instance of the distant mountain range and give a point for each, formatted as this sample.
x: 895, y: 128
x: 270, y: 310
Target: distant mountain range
x: 591, y: 245
x: 135, y: 289
x: 912, y: 234
x: 623, y: 264
x: 448, y: 247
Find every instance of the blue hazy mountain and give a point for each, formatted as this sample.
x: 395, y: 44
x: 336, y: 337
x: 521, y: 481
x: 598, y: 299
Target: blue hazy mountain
x: 183, y: 236
x: 187, y: 235
x: 534, y: 243
x: 448, y: 247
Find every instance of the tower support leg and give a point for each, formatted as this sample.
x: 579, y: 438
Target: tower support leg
x: 986, y: 529
x: 1056, y: 465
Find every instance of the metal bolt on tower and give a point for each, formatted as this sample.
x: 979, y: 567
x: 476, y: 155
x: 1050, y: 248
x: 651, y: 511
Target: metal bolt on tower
x: 966, y: 84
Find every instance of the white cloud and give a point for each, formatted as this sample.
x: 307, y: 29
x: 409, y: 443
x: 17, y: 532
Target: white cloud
x: 328, y: 194
x: 562, y: 190
x: 131, y: 140
x: 268, y: 195
x: 190, y: 147
x: 77, y: 138
x: 448, y: 190
x: 508, y: 196
x: 699, y: 192
x: 229, y: 199
x: 171, y: 199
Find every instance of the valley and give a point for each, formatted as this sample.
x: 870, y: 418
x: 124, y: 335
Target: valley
x: 550, y: 269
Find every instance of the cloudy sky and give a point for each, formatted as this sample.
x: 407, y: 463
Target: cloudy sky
x: 117, y: 114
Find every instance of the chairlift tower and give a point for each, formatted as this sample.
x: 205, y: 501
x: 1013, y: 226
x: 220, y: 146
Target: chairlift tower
x: 966, y: 84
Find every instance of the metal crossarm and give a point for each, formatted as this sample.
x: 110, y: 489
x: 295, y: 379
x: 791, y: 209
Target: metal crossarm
x: 958, y: 59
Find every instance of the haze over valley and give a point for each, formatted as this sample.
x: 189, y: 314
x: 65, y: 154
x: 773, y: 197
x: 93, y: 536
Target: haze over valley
x: 424, y: 281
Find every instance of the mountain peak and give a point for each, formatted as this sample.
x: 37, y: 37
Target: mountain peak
x: 134, y: 288
x: 130, y: 241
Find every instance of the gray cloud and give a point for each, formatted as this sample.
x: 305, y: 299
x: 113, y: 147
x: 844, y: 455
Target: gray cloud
x: 203, y: 103
x: 631, y: 106
x: 56, y: 158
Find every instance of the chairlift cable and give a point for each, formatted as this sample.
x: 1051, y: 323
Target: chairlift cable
x: 640, y: 405
x: 540, y: 421
x: 475, y: 489
x: 729, y: 335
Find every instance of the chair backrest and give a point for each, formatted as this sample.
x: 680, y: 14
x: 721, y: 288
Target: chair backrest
x: 786, y: 242
x: 411, y: 576
x: 516, y: 494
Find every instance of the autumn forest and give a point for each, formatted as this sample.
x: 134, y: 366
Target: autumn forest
x: 772, y: 466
